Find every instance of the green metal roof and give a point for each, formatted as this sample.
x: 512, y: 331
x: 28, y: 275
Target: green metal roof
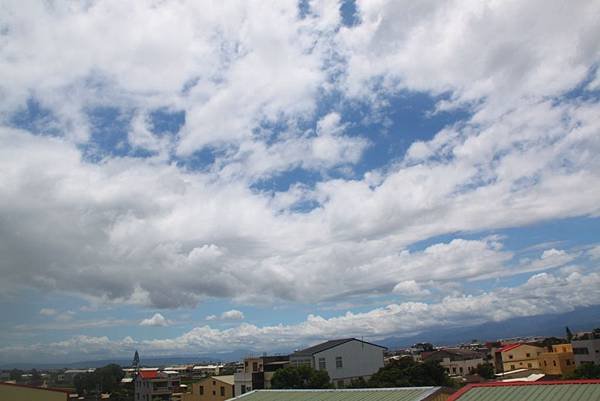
x: 548, y: 392
x: 389, y: 394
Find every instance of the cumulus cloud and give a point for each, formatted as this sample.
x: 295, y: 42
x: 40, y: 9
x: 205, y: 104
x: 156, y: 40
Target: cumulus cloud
x: 232, y: 314
x: 261, y: 88
x: 542, y: 293
x: 156, y: 320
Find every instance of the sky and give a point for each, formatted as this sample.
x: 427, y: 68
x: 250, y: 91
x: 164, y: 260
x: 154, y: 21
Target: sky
x: 183, y: 177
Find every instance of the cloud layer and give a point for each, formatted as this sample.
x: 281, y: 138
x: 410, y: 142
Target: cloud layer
x: 222, y: 151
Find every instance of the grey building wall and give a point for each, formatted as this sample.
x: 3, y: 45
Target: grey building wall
x: 585, y: 351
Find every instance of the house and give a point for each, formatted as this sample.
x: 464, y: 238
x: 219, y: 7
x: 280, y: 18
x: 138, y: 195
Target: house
x: 151, y: 385
x: 363, y: 394
x: 20, y: 392
x: 519, y: 356
x: 256, y: 372
x: 213, y: 388
x: 559, y: 361
x: 344, y: 359
x: 573, y: 390
x: 586, y: 348
x: 456, y: 362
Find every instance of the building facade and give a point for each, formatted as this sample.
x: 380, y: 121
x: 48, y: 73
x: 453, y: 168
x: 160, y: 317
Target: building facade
x: 151, y: 385
x: 456, y: 362
x: 344, y: 360
x: 257, y: 372
x: 586, y: 349
x: 18, y: 392
x: 520, y: 356
x: 559, y: 361
x: 214, y: 388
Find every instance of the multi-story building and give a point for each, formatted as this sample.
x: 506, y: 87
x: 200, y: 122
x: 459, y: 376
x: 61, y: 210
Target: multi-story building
x: 344, y: 359
x: 457, y: 362
x: 586, y: 348
x: 213, y: 388
x: 151, y: 385
x: 257, y: 372
x: 559, y: 361
x: 519, y: 356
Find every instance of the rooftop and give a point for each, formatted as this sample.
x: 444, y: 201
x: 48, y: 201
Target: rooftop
x: 572, y: 390
x: 371, y: 394
x: 327, y: 345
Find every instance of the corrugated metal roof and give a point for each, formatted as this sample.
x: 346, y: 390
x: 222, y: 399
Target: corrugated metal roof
x: 391, y: 394
x: 583, y: 390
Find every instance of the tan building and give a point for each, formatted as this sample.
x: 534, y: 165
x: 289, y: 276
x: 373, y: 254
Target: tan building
x: 456, y: 362
x: 17, y: 392
x: 214, y: 388
x: 558, y: 362
x: 520, y: 356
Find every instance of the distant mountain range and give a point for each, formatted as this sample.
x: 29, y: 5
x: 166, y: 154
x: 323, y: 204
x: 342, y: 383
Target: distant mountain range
x: 582, y: 319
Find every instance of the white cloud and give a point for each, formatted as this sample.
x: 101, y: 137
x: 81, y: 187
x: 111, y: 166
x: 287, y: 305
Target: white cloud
x: 232, y: 314
x: 410, y: 288
x: 542, y: 293
x: 156, y: 320
x: 48, y: 312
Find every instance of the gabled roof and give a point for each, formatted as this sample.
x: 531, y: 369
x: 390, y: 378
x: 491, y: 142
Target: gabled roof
x: 227, y: 379
x: 363, y: 394
x: 572, y: 390
x: 315, y: 349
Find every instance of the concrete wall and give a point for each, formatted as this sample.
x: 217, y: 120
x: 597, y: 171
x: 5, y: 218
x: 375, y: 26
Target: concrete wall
x: 523, y: 357
x: 209, y: 389
x: 358, y: 360
x: 592, y: 349
x: 9, y: 392
x: 461, y: 368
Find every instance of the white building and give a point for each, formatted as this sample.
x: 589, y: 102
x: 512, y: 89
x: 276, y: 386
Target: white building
x: 586, y: 349
x: 344, y: 360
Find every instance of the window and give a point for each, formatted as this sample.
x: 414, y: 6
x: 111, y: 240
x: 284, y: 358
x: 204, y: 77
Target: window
x: 214, y: 392
x: 545, y: 363
x: 255, y: 366
x: 510, y: 356
x: 222, y: 391
x: 214, y: 383
x: 243, y: 388
x: 554, y: 362
x: 568, y: 362
x: 322, y: 364
x: 581, y: 351
x: 454, y: 370
x: 528, y: 365
x: 201, y: 390
x: 528, y: 355
x: 338, y: 362
x: 460, y: 369
x: 512, y: 367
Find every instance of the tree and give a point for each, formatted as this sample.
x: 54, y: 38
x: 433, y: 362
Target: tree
x: 585, y: 371
x: 569, y: 334
x: 36, y: 378
x: 105, y: 379
x: 300, y: 377
x: 16, y: 375
x: 485, y: 370
x: 406, y: 372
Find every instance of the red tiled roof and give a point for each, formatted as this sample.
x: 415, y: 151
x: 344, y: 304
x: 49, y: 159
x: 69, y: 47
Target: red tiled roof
x: 148, y: 374
x: 456, y: 396
x: 509, y: 347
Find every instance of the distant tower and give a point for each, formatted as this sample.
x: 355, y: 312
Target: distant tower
x: 136, y: 361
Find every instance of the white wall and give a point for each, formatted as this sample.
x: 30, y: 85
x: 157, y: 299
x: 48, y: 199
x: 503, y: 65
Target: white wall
x: 358, y: 359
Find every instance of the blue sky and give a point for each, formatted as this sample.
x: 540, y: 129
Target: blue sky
x: 267, y: 175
